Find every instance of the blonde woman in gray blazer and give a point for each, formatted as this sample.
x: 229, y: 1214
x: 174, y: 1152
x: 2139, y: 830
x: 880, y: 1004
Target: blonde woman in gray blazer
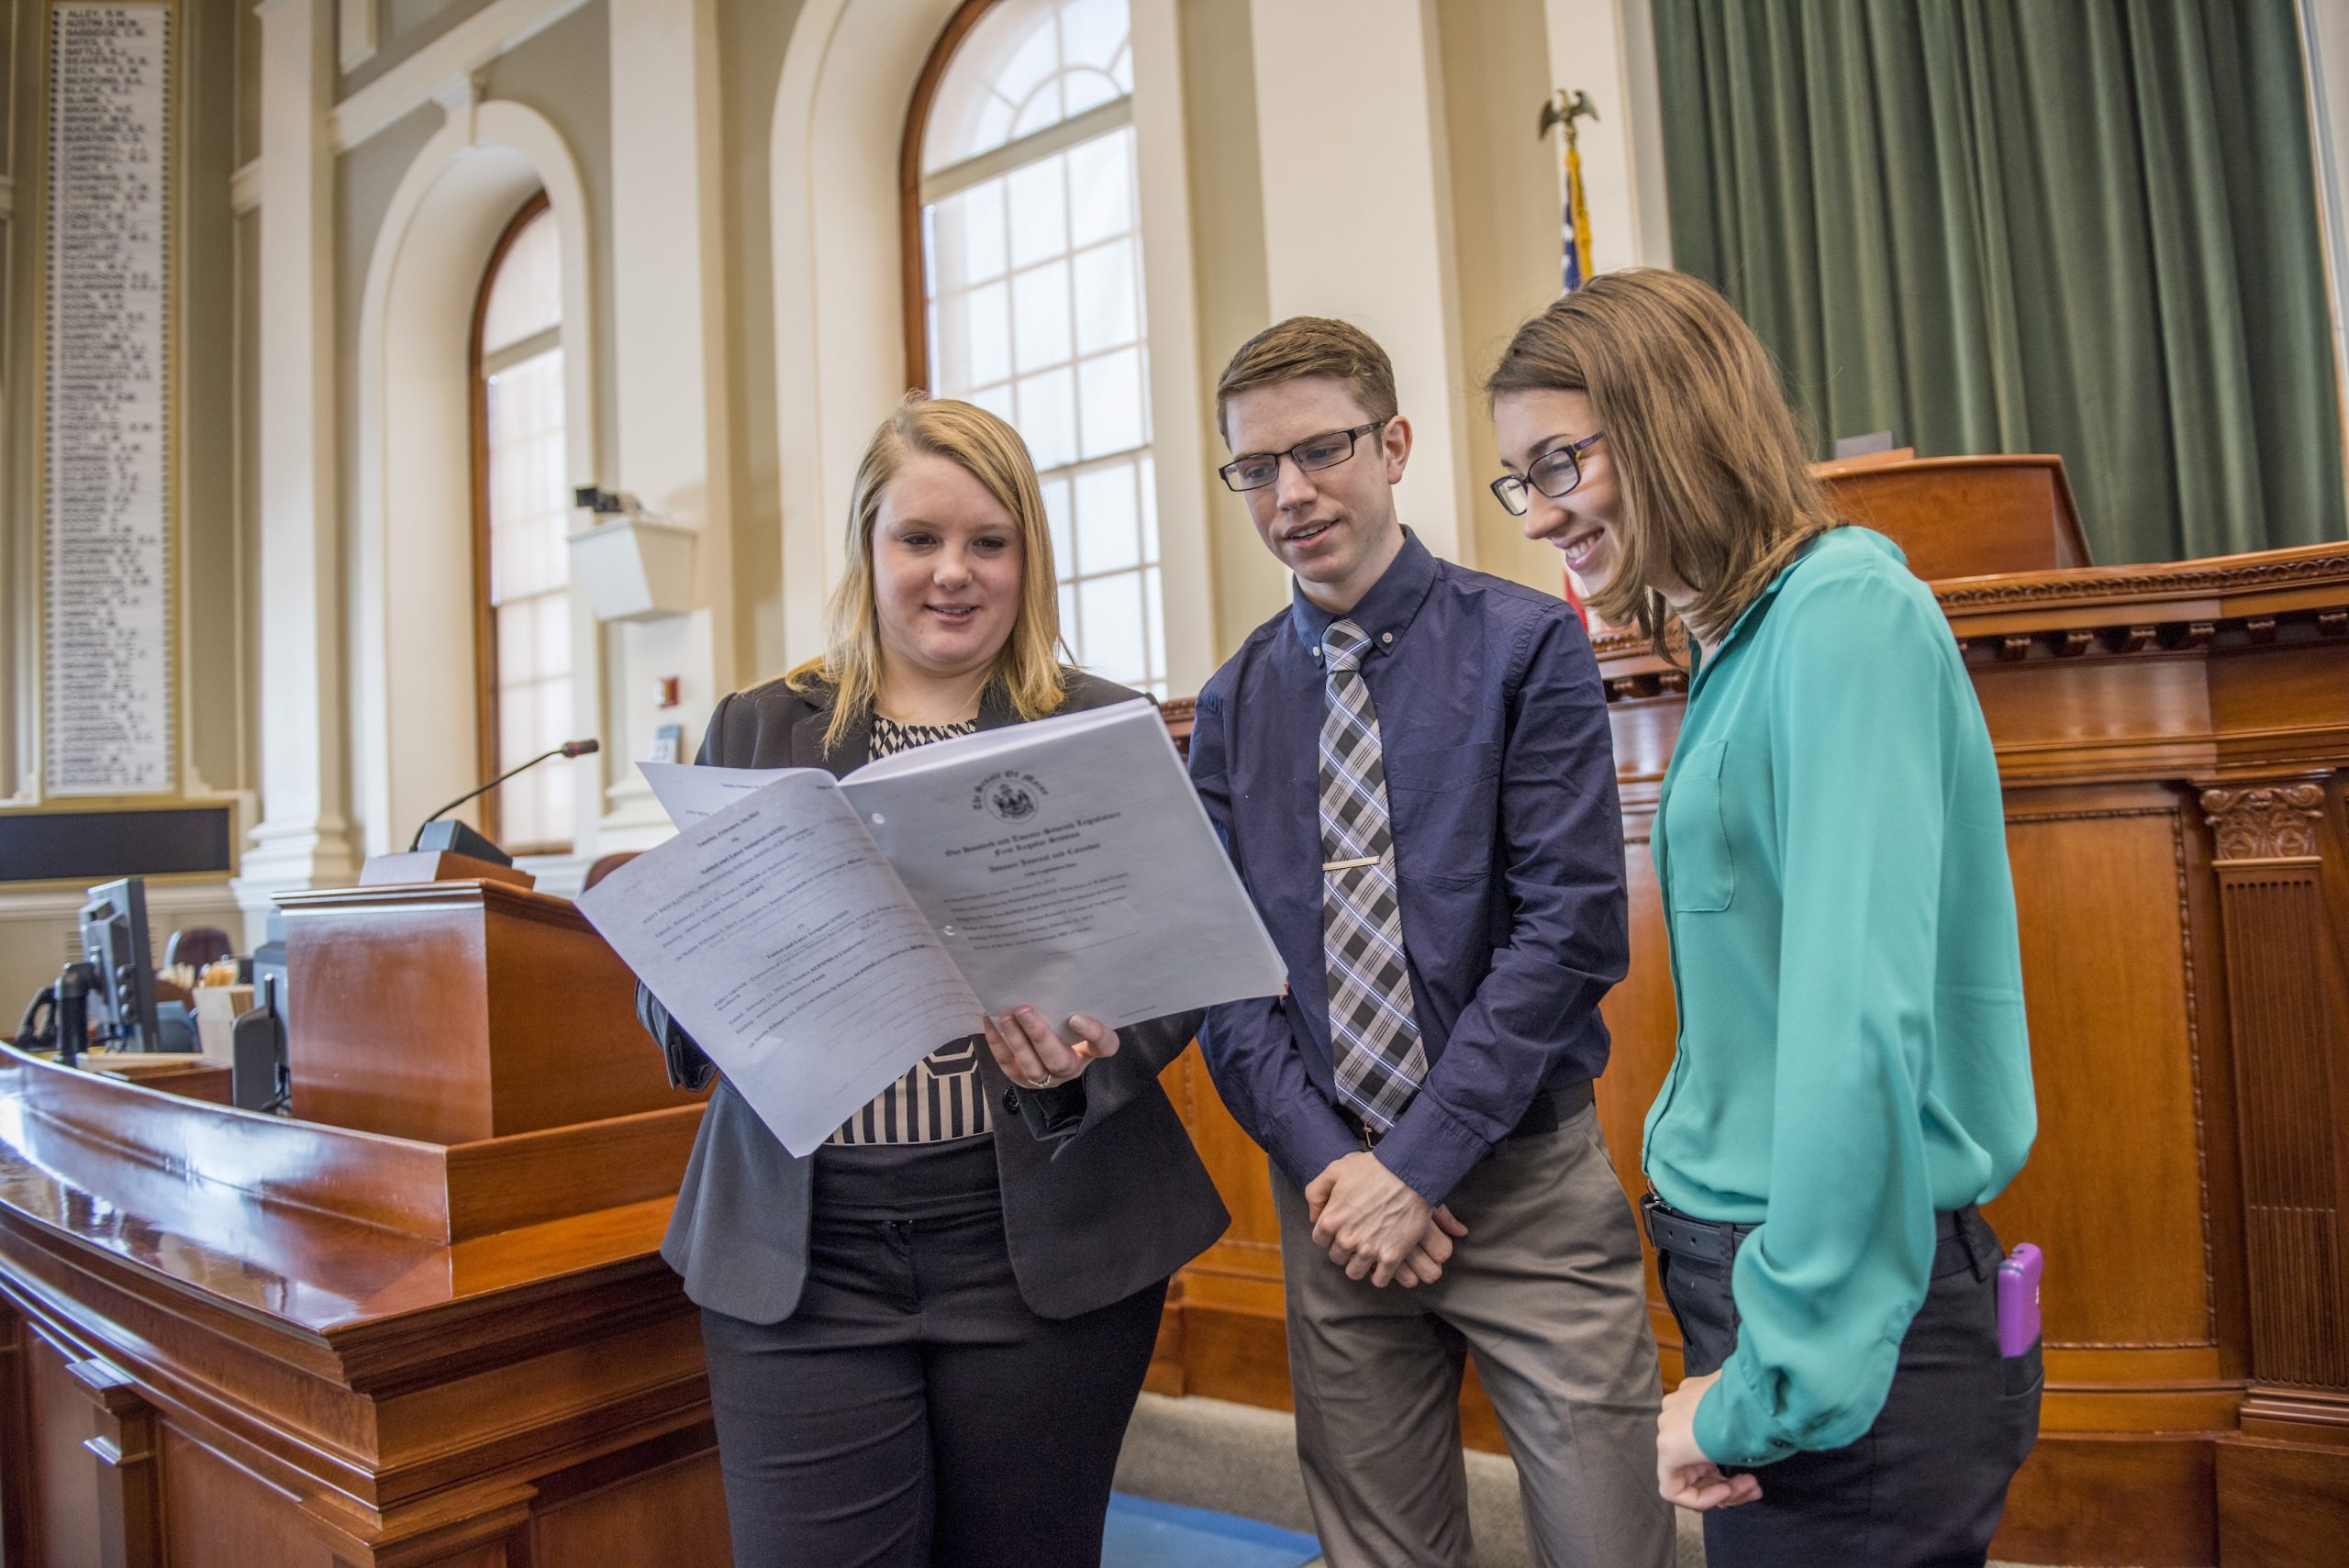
x: 926, y: 1338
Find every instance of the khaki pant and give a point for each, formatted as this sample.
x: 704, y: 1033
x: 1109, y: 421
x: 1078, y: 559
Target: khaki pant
x: 1546, y: 1291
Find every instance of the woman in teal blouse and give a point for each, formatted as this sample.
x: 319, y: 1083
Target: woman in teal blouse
x: 1853, y: 1076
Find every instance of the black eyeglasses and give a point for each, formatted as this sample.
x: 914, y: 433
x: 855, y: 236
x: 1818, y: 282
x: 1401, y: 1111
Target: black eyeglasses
x: 1554, y: 473
x: 1256, y: 470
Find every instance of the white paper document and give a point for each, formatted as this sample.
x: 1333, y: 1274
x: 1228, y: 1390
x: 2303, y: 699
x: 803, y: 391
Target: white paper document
x: 817, y: 937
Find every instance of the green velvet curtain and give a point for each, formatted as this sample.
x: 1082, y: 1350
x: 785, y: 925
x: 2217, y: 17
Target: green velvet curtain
x: 2086, y: 226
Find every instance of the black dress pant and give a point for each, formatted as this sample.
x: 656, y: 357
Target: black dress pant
x: 913, y: 1412
x: 1925, y: 1486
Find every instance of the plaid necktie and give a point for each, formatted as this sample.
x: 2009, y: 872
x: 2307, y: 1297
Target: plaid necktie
x: 1374, y: 1037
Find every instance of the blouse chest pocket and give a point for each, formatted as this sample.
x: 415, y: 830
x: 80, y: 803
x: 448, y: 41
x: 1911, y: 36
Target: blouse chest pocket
x: 1699, y: 876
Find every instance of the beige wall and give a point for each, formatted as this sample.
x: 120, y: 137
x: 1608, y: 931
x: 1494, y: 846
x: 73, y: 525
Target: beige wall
x: 1228, y: 250
x: 366, y: 179
x: 752, y: 36
x: 1506, y: 212
x: 248, y: 145
x: 403, y: 27
x: 213, y: 589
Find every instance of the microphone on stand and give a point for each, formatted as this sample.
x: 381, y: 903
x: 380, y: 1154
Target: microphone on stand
x: 464, y: 840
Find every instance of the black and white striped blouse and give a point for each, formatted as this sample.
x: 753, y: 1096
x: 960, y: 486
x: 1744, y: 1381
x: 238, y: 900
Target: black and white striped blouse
x: 942, y: 1099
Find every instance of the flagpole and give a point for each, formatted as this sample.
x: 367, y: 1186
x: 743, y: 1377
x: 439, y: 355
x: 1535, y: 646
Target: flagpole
x: 1559, y: 111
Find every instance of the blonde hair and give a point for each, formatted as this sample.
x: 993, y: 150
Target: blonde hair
x: 1717, y: 487
x: 1306, y: 346
x: 1028, y: 670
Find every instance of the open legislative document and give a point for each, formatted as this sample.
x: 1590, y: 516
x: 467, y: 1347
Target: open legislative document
x: 818, y: 937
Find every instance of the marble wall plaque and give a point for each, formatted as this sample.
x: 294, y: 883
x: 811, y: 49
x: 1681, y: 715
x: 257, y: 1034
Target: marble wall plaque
x: 109, y: 632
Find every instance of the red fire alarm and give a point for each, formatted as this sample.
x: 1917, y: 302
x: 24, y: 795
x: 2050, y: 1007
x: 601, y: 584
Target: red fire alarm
x: 664, y: 691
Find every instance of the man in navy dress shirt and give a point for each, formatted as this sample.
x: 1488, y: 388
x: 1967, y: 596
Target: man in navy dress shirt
x: 1412, y: 772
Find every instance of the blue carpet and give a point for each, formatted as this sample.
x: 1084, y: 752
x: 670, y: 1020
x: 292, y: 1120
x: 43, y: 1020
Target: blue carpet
x: 1143, y: 1534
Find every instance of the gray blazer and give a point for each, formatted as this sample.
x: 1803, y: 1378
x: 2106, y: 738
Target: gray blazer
x: 1102, y: 1192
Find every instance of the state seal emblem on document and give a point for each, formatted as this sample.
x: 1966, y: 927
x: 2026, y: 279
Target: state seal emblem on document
x: 1014, y: 795
x: 1011, y: 799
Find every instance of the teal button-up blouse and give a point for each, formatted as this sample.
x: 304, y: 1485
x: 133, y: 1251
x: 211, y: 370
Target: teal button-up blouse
x: 1833, y: 855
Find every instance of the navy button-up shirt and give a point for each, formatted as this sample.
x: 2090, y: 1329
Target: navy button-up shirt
x: 1508, y: 846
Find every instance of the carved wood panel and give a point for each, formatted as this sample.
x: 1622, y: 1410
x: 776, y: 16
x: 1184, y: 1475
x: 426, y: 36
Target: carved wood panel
x: 2101, y: 900
x: 2291, y: 1026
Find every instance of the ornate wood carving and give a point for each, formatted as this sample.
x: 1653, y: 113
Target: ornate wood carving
x: 2196, y: 634
x: 2119, y: 610
x: 2276, y: 570
x: 2098, y: 586
x: 2266, y: 821
x: 2290, y: 1016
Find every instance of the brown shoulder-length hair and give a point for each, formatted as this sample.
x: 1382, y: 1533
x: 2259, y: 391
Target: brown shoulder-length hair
x: 1028, y: 670
x: 1718, y: 492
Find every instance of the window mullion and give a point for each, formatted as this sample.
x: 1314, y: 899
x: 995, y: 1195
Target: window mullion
x: 1097, y: 121
x: 529, y: 347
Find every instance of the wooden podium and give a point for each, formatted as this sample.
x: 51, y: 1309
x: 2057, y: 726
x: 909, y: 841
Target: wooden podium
x: 2173, y: 741
x: 455, y: 1011
x: 1963, y: 516
x: 423, y: 1324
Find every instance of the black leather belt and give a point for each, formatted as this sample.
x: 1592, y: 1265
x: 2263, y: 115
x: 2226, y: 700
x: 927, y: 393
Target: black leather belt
x: 1550, y: 1110
x: 1715, y: 1241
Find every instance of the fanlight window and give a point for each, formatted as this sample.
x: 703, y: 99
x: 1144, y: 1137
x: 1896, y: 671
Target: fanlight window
x: 1033, y: 293
x: 525, y: 511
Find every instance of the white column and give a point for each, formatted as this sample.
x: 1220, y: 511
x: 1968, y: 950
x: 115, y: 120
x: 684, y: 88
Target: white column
x: 669, y: 363
x: 303, y: 837
x: 1606, y: 47
x: 1358, y: 215
x: 1179, y: 421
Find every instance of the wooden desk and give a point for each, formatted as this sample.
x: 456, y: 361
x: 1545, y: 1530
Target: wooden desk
x: 199, y: 1367
x: 2172, y: 740
x: 242, y: 1340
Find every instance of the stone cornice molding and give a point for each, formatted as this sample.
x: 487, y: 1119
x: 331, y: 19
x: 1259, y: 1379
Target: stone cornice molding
x: 423, y: 76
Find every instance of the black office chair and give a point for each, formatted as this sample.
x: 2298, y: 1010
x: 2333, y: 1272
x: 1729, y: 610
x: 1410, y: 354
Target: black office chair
x: 196, y: 946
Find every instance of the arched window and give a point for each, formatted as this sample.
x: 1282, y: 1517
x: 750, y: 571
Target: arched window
x: 521, y: 511
x: 1027, y: 297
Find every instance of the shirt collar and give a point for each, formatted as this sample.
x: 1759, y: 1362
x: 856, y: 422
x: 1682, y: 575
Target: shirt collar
x: 1383, y: 612
x: 1753, y: 612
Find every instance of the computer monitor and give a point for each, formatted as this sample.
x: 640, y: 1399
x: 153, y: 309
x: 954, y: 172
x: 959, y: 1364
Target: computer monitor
x: 115, y: 942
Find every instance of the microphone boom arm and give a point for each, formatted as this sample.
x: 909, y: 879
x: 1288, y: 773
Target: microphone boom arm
x: 568, y: 748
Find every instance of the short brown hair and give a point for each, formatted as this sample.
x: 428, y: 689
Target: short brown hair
x: 1717, y: 485
x: 1307, y: 346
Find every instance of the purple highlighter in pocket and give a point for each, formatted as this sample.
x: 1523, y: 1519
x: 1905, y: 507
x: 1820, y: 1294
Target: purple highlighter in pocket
x: 2018, y: 1300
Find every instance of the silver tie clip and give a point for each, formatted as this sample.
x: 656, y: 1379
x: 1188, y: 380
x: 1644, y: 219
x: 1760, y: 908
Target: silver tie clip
x: 1349, y: 865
